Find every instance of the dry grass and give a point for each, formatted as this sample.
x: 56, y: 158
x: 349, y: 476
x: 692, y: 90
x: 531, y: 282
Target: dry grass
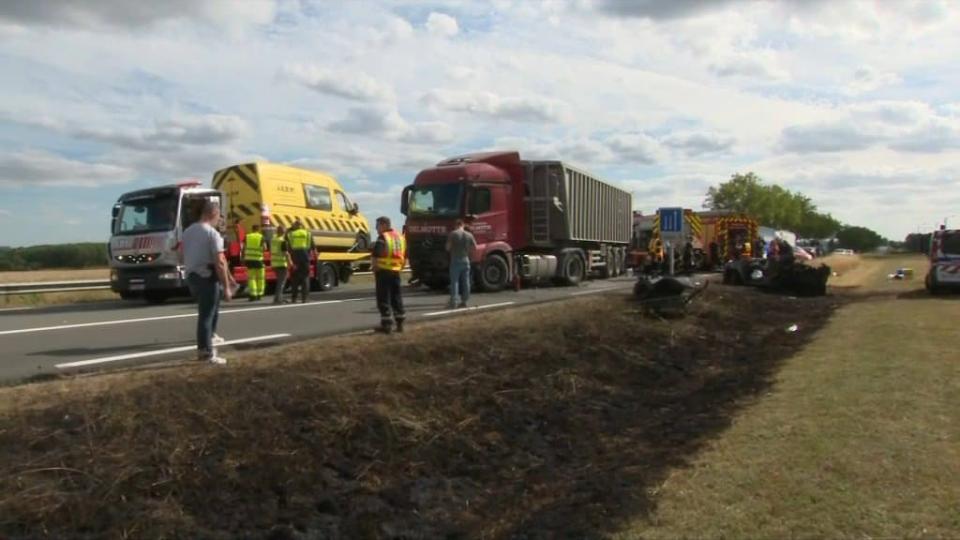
x: 861, y: 437
x: 33, y: 276
x: 558, y: 419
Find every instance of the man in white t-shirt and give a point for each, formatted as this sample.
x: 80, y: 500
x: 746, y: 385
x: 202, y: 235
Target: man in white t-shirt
x: 207, y: 276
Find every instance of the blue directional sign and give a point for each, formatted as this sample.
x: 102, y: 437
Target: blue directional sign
x: 671, y: 220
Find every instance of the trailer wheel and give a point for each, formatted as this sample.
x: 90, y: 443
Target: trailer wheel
x: 494, y: 274
x: 618, y: 262
x: 326, y: 277
x: 572, y: 268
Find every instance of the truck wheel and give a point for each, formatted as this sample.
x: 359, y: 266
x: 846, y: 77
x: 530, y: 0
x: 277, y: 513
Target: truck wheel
x: 494, y: 274
x: 155, y: 297
x: 572, y: 269
x: 609, y: 269
x: 326, y: 277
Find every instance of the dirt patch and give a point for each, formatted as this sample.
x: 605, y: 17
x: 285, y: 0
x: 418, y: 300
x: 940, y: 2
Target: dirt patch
x: 556, y: 419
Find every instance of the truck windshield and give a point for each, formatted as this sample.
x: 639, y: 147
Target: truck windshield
x: 440, y: 200
x: 149, y: 213
x: 951, y: 244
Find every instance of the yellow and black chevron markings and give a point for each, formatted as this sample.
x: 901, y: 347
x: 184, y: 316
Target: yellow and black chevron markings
x: 242, y: 186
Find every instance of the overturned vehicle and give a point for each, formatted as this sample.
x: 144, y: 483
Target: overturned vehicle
x: 786, y: 276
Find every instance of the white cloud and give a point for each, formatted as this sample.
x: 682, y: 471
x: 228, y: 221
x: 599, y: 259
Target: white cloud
x: 350, y: 85
x: 907, y: 126
x: 699, y: 143
x: 5, y: 213
x: 441, y: 24
x: 40, y: 168
x: 756, y: 64
x: 635, y: 148
x: 679, y: 92
x: 513, y: 108
x: 826, y: 138
x: 387, y: 122
x: 97, y: 14
x: 659, y: 9
x: 867, y: 79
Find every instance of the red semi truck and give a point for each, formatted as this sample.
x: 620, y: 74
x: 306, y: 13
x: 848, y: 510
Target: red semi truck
x: 534, y: 221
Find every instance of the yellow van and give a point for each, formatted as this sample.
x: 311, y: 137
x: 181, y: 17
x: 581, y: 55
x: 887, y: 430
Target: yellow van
x: 256, y: 191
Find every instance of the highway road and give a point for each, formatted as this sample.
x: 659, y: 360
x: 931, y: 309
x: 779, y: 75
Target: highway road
x: 110, y: 335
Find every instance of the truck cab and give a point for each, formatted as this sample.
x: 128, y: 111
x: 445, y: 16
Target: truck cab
x: 944, y: 270
x: 146, y: 230
x: 480, y: 194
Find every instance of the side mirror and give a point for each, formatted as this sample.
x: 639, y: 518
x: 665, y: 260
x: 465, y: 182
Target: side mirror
x: 405, y: 200
x: 355, y: 209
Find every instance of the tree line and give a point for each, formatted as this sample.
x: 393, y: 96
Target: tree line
x: 780, y: 208
x: 82, y: 255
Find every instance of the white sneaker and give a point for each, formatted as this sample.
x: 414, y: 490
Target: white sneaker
x: 218, y: 340
x: 218, y: 360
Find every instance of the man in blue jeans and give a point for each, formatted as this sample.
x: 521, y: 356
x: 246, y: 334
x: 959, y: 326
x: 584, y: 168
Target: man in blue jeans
x: 207, y: 276
x: 460, y: 245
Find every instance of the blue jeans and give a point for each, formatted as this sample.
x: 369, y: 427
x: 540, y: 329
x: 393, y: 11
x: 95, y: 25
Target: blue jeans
x: 459, y: 282
x: 207, y: 292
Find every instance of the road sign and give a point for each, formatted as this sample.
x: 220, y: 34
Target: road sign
x: 671, y: 220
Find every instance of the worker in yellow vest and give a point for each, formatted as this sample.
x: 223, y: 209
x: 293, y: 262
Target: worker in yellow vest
x: 300, y: 246
x: 253, y: 246
x: 279, y: 261
x: 389, y: 255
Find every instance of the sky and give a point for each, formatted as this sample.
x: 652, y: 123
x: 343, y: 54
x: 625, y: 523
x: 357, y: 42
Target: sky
x: 855, y: 104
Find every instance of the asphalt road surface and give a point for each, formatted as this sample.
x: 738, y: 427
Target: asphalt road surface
x: 110, y: 335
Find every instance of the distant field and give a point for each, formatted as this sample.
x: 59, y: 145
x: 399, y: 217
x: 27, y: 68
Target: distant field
x: 32, y: 276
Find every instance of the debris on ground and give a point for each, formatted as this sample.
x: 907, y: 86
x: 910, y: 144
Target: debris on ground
x: 556, y: 420
x: 667, y: 295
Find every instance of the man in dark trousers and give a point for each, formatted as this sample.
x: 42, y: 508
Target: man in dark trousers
x: 389, y: 255
x: 208, y: 277
x: 300, y: 245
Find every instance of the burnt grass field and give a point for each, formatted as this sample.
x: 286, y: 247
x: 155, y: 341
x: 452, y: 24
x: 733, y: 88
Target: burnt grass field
x: 561, y: 418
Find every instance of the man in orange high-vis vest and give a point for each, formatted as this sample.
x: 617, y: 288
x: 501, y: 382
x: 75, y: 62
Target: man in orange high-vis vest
x: 389, y: 256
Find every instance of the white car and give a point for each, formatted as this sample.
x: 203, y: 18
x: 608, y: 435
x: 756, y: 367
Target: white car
x: 844, y: 252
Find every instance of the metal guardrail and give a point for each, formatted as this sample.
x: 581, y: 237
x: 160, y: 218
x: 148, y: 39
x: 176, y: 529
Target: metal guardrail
x: 7, y: 289
x: 54, y: 286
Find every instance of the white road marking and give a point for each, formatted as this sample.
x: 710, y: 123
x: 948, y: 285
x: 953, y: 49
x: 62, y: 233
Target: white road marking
x: 174, y: 350
x: 463, y: 310
x: 169, y: 317
x: 25, y: 308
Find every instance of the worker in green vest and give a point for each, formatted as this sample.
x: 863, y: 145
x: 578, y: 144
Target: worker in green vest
x: 279, y: 261
x: 253, y: 247
x: 300, y: 245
